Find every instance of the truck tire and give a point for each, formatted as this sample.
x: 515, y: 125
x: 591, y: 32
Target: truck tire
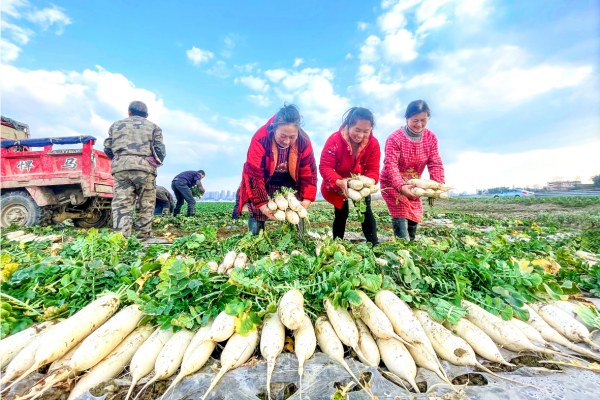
x: 20, y: 209
x: 100, y: 220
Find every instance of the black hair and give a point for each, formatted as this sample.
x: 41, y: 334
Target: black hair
x: 416, y: 107
x: 353, y: 115
x: 288, y: 114
x: 200, y: 171
x: 138, y: 108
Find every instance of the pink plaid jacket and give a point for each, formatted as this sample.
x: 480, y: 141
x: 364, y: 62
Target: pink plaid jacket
x: 404, y: 160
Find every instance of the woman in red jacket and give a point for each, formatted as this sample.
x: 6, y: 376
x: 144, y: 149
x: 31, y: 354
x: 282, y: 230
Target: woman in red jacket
x: 351, y: 150
x: 280, y: 155
x: 407, y: 152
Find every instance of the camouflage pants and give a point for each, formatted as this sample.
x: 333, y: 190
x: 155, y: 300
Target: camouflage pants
x: 129, y: 186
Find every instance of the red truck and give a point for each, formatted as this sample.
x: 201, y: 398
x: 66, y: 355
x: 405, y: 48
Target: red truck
x: 41, y: 184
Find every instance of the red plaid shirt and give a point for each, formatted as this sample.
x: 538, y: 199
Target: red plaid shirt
x: 404, y: 160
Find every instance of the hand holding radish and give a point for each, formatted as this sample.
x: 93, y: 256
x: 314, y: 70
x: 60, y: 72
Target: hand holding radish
x: 406, y: 190
x: 268, y: 212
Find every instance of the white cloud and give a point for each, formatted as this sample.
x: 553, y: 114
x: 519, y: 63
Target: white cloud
x: 11, y: 7
x: 400, y: 47
x: 369, y: 51
x: 348, y: 56
x: 8, y: 51
x: 51, y: 17
x: 245, y: 68
x: 198, y: 56
x: 260, y: 100
x: 219, y: 69
x: 362, y: 26
x: 298, y: 62
x: 478, y: 170
x: 16, y: 33
x: 254, y: 83
x: 275, y: 75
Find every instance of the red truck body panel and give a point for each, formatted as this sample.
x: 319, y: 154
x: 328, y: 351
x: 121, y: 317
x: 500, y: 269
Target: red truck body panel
x: 83, y: 166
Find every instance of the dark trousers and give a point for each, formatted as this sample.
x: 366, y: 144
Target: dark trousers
x: 404, y: 228
x: 369, y: 226
x: 183, y: 193
x: 160, y: 206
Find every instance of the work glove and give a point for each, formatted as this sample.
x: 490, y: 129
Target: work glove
x: 431, y: 201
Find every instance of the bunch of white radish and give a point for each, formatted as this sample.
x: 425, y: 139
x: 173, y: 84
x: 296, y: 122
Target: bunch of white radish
x: 429, y: 188
x: 230, y: 261
x: 360, y: 186
x: 287, y: 207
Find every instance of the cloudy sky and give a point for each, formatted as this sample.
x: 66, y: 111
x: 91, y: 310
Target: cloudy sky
x: 513, y: 85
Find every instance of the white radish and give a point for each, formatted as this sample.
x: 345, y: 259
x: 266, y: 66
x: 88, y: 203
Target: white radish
x: 566, y: 325
x: 529, y: 331
x: 331, y: 345
x: 429, y: 192
x: 279, y: 215
x: 104, y: 339
x: 238, y: 350
x: 305, y: 343
x: 113, y: 364
x: 142, y: 362
x: 369, y: 352
x: 292, y: 217
x: 398, y: 360
x: 374, y: 189
x: 282, y: 203
x: 10, y: 346
x: 343, y: 324
x: 444, y: 195
x: 302, y: 213
x: 450, y: 347
x: 228, y: 262
x: 355, y: 184
x: 291, y: 309
x: 272, y: 205
x: 374, y: 318
x: 354, y: 195
x: 368, y: 182
x: 202, y: 335
x: 169, y: 358
x: 240, y: 260
x: 424, y: 183
x: 56, y: 342
x: 272, y: 341
x: 64, y: 360
x: 417, y: 191
x: 194, y: 358
x: 222, y: 327
x: 479, y: 340
x: 293, y: 203
x: 213, y: 266
x: 502, y: 332
x: 364, y: 192
x: 551, y: 335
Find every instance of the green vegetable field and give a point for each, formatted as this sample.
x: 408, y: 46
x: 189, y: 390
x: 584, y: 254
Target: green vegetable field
x: 494, y: 254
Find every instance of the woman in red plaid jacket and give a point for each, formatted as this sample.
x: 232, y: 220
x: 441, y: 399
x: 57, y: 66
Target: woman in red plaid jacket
x: 351, y: 150
x: 407, y: 152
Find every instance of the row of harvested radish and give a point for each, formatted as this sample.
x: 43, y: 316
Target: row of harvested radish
x: 385, y: 329
x: 230, y: 261
x: 360, y: 186
x: 429, y: 188
x: 287, y: 207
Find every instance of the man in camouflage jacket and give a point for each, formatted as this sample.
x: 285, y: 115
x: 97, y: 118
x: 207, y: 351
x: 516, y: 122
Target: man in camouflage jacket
x: 135, y: 146
x: 164, y: 199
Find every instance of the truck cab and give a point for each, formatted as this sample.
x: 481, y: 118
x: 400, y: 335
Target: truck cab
x: 42, y: 182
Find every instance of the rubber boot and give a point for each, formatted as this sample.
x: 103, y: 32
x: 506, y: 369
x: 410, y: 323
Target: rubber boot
x: 254, y: 226
x: 400, y: 228
x: 412, y: 231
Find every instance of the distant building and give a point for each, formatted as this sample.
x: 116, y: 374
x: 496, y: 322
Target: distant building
x: 563, y: 185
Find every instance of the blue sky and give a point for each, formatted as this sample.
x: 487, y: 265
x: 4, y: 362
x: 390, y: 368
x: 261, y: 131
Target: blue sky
x: 513, y: 86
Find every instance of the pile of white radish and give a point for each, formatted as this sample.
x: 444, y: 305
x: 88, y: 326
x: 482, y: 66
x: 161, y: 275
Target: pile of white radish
x: 360, y: 186
x: 287, y: 207
x: 230, y: 261
x: 386, y: 329
x: 429, y: 188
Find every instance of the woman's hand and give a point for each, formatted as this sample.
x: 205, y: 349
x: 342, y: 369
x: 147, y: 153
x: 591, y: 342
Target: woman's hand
x: 406, y: 191
x: 267, y: 211
x: 306, y: 203
x: 343, y: 185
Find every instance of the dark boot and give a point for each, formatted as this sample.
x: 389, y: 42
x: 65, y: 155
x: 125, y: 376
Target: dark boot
x: 400, y: 228
x: 412, y: 230
x: 254, y: 226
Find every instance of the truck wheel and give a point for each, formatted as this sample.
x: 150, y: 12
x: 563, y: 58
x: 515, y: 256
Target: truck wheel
x: 99, y: 220
x: 20, y: 209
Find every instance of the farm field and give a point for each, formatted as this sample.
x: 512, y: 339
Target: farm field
x: 496, y: 253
